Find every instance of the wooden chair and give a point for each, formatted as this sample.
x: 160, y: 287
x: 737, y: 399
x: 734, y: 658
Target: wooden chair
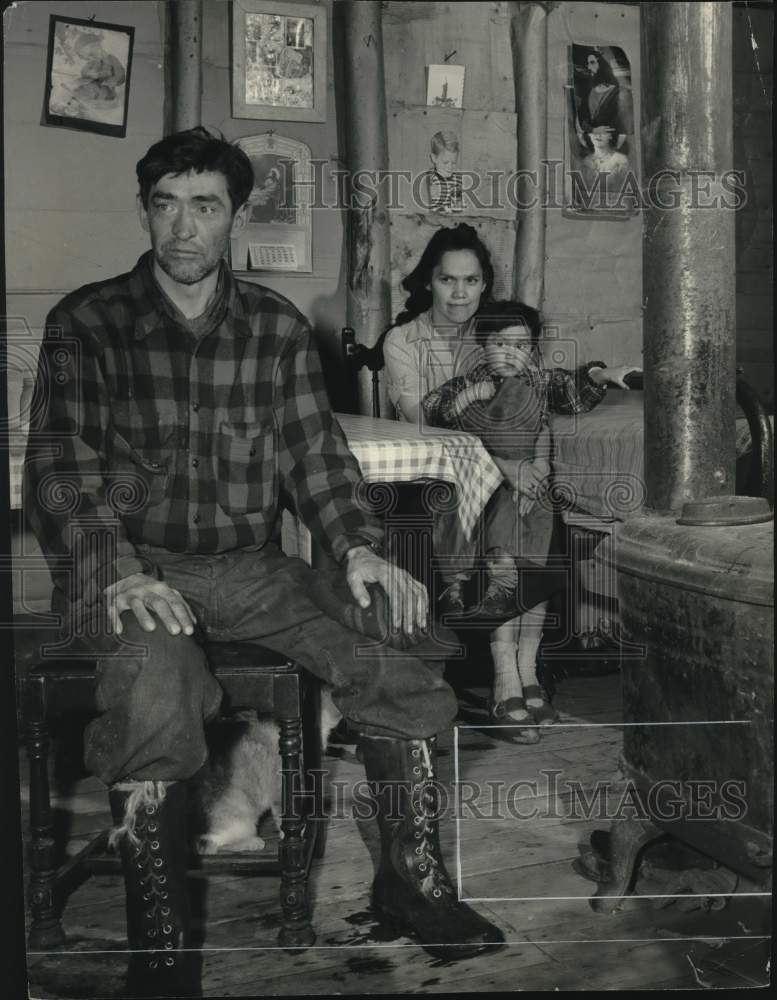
x: 252, y: 677
x: 356, y: 356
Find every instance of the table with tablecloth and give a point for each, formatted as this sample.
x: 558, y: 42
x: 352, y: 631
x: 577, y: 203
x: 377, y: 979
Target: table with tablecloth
x: 391, y: 451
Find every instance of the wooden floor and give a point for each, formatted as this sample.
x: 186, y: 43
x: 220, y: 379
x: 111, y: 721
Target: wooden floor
x: 517, y: 868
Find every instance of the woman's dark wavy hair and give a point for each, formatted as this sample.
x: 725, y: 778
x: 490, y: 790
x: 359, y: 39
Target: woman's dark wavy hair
x: 196, y: 149
x: 605, y: 72
x: 496, y: 316
x: 462, y: 237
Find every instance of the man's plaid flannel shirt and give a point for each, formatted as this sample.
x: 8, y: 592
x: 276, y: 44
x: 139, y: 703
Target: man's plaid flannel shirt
x: 181, y: 441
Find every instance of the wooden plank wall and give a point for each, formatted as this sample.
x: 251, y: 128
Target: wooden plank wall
x: 416, y: 35
x: 593, y: 270
x: 62, y: 231
x: 70, y: 212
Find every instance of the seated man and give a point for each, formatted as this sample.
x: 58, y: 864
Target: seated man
x: 187, y: 405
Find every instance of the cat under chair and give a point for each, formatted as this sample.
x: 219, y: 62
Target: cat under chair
x: 242, y: 780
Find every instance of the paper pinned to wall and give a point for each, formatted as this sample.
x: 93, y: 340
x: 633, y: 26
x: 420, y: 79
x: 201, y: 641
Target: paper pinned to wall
x: 445, y: 86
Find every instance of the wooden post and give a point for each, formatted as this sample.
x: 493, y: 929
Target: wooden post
x: 369, y: 266
x: 688, y: 253
x: 529, y: 41
x: 185, y: 48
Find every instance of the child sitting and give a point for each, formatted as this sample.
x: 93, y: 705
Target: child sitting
x: 503, y: 399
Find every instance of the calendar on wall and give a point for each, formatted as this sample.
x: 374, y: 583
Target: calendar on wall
x: 277, y: 235
x: 272, y: 257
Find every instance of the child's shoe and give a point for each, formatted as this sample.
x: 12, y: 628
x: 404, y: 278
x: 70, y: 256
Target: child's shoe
x: 499, y: 603
x: 544, y: 714
x: 451, y: 600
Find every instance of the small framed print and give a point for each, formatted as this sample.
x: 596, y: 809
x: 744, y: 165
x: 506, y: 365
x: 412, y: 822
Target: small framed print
x: 88, y: 75
x: 278, y: 61
x: 278, y: 233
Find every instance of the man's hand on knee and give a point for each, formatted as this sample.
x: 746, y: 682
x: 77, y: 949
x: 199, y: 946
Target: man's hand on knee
x: 408, y: 599
x: 142, y: 595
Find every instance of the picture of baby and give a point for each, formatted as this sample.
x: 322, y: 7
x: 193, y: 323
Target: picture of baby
x: 443, y: 183
x: 101, y: 74
x: 89, y: 73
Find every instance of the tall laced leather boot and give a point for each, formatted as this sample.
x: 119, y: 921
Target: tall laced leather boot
x: 150, y: 833
x: 412, y: 889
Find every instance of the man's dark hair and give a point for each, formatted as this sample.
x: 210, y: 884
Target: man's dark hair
x: 496, y: 316
x: 197, y: 150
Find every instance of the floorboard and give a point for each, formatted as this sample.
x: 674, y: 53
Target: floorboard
x: 510, y: 837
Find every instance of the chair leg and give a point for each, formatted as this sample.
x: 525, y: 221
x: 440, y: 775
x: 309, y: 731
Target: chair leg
x: 46, y: 929
x: 296, y: 930
x: 313, y: 766
x: 321, y: 821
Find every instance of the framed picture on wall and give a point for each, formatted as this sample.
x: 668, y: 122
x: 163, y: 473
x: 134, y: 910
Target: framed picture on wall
x: 278, y: 234
x: 88, y: 75
x: 278, y: 61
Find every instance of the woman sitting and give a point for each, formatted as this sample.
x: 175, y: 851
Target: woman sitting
x: 433, y: 341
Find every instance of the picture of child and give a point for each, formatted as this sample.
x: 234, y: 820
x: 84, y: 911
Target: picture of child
x: 101, y: 74
x: 442, y: 182
x: 89, y: 74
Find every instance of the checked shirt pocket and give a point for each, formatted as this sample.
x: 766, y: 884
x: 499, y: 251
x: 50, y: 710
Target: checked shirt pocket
x: 247, y: 467
x: 136, y: 480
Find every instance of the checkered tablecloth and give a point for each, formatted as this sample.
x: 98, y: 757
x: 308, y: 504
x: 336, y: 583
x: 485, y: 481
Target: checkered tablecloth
x: 393, y: 451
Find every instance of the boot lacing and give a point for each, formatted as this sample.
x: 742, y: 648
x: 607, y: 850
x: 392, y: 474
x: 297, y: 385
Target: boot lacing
x: 453, y: 590
x: 499, y: 588
x: 142, y: 794
x: 428, y: 864
x: 140, y: 813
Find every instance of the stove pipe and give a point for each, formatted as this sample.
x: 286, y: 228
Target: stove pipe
x: 688, y: 253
